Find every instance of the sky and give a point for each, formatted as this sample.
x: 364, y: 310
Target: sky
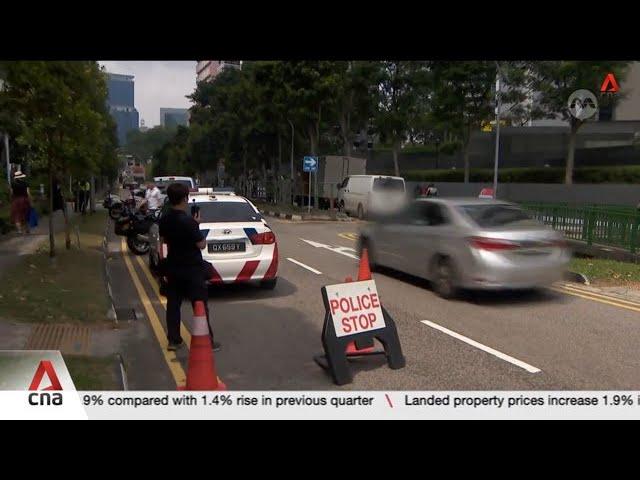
x: 157, y: 84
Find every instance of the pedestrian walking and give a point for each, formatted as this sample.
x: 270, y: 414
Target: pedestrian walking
x: 20, y: 202
x: 184, y: 269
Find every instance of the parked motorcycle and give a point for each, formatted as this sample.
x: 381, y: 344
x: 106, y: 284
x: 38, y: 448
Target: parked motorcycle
x: 135, y: 226
x: 117, y: 207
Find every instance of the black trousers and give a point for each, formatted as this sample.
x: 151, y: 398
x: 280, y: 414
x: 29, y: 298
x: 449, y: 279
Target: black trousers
x: 184, y: 283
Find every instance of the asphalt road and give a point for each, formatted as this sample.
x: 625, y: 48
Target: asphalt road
x: 553, y: 339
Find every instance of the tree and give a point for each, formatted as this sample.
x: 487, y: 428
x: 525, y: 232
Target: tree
x: 463, y: 99
x: 399, y: 88
x: 355, y: 98
x: 142, y: 145
x: 555, y: 81
x: 59, y: 110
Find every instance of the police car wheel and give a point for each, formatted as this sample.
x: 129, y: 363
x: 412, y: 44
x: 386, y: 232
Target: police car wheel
x: 269, y: 284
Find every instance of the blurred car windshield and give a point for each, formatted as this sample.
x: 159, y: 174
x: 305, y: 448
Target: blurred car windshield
x: 388, y: 185
x: 227, y: 212
x: 164, y: 184
x: 495, y: 215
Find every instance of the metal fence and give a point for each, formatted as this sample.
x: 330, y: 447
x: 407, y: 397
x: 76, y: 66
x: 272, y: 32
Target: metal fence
x: 617, y: 226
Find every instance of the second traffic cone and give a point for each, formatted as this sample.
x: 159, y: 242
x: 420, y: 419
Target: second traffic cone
x: 364, y: 272
x: 201, y: 372
x: 351, y: 346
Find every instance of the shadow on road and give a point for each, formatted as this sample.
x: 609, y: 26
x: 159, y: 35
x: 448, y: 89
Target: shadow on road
x: 239, y: 291
x: 480, y: 297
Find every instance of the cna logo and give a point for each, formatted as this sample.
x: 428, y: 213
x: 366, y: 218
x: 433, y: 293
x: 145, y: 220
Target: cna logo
x: 582, y: 104
x: 45, y: 368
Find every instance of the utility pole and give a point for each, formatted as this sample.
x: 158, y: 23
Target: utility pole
x: 498, y: 107
x: 292, y: 177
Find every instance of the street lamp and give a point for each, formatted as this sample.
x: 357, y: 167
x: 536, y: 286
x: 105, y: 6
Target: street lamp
x: 498, y: 106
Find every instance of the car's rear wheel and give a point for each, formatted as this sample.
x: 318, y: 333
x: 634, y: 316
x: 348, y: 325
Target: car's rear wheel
x: 269, y: 284
x: 360, y: 212
x: 444, y: 278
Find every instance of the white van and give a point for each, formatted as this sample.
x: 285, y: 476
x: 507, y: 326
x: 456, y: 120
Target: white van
x: 164, y: 182
x: 363, y: 195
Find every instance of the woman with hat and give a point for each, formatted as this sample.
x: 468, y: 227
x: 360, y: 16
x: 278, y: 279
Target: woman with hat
x: 20, y: 202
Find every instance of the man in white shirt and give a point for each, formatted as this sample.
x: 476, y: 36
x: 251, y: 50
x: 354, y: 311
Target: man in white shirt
x: 153, y: 197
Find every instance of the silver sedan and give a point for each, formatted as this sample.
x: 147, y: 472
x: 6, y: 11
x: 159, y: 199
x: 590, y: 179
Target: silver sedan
x: 467, y: 243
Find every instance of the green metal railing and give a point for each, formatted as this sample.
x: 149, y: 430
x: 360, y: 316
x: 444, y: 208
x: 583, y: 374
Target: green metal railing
x: 617, y: 226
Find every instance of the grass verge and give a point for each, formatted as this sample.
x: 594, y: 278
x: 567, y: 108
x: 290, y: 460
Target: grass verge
x: 69, y: 289
x: 607, y: 272
x: 93, y: 373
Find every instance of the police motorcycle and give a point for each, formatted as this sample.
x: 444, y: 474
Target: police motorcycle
x: 135, y: 225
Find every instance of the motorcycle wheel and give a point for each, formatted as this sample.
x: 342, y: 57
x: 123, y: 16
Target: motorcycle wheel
x: 137, y: 247
x: 115, y: 212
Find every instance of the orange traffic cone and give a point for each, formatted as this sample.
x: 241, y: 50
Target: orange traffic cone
x: 201, y: 373
x: 364, y: 272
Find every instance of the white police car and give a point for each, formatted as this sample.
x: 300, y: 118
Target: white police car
x: 240, y: 245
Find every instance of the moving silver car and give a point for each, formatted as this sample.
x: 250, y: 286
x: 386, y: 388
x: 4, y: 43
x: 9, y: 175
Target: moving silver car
x: 458, y: 243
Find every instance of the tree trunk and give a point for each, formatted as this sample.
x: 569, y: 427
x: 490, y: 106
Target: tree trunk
x: 467, y: 144
x: 344, y: 129
x: 466, y: 164
x: 313, y: 146
x: 279, y: 167
x: 571, y: 150
x: 52, y: 241
x: 396, y: 166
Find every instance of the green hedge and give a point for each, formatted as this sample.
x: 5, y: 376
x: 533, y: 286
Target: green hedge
x: 626, y: 174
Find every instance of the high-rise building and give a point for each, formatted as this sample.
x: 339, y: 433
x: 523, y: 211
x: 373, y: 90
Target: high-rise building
x: 172, y: 117
x: 120, y: 101
x: 207, y: 70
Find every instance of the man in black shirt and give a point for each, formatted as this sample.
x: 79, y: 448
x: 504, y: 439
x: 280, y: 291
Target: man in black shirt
x: 184, y: 266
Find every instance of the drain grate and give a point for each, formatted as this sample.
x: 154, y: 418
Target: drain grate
x: 126, y: 314
x: 72, y: 339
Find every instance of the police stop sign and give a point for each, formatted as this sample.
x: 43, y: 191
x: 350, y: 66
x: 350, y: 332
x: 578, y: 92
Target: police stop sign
x: 355, y: 307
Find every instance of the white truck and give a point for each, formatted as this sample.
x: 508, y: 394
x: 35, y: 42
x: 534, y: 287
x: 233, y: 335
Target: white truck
x: 332, y: 170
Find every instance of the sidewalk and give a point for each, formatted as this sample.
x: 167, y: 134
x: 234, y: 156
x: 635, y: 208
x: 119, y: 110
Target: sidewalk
x: 13, y: 246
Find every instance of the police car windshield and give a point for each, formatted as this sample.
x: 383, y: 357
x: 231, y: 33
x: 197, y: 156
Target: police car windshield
x: 388, y: 184
x: 212, y: 212
x: 495, y: 215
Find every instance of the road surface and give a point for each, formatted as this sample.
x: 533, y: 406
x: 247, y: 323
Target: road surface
x: 553, y: 339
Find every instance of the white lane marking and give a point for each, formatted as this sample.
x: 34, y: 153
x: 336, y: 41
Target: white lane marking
x: 341, y: 250
x: 293, y: 260
x: 473, y: 343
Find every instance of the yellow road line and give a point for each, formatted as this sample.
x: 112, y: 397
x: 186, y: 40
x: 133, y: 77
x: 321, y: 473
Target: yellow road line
x: 600, y: 295
x: 184, y: 332
x: 349, y: 236
x: 170, y: 357
x: 595, y: 299
x: 186, y: 335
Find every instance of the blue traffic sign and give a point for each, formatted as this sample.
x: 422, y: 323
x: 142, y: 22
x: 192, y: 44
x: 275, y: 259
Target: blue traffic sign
x: 310, y: 164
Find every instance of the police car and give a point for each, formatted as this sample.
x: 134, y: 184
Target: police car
x: 240, y: 245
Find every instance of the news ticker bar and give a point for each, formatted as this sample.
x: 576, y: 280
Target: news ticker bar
x: 320, y: 405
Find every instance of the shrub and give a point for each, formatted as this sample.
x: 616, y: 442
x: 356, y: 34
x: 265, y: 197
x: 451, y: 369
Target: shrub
x: 619, y: 174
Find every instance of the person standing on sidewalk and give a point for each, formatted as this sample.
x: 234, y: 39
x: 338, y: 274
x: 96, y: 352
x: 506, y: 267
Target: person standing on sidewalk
x: 20, y: 202
x: 184, y: 267
x: 86, y: 194
x: 153, y: 196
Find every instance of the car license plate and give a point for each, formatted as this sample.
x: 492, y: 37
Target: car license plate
x: 227, y: 247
